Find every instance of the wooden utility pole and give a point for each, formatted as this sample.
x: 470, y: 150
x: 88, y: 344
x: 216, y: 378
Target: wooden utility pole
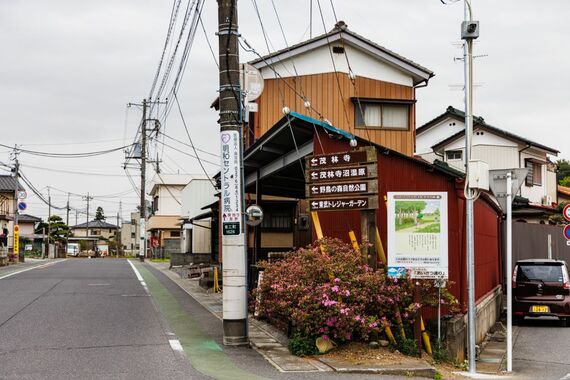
x: 234, y: 250
x: 16, y: 232
x: 142, y: 223
x: 49, y: 222
x: 67, y: 210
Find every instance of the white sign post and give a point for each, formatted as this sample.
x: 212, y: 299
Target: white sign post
x: 417, y: 234
x: 505, y: 183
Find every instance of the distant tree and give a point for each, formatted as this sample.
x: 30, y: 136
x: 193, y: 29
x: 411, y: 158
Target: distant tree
x: 562, y: 171
x: 99, y: 214
x: 56, y: 229
x: 565, y: 181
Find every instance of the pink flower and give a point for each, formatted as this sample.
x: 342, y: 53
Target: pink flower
x: 358, y: 318
x: 336, y: 280
x: 347, y: 292
x: 334, y: 288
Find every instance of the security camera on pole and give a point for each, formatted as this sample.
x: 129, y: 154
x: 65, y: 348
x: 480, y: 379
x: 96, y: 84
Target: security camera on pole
x: 469, y: 32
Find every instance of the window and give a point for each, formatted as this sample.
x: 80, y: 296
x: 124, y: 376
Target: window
x: 174, y: 233
x: 155, y: 204
x: 133, y: 235
x: 277, y: 217
x: 453, y: 155
x: 95, y: 232
x: 534, y: 175
x: 382, y: 115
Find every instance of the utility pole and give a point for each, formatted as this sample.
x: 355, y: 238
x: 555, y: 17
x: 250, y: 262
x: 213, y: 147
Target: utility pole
x: 49, y: 221
x: 67, y: 209
x: 119, y: 239
x: 143, y: 180
x: 469, y: 32
x: 87, y: 198
x: 16, y: 227
x: 234, y: 252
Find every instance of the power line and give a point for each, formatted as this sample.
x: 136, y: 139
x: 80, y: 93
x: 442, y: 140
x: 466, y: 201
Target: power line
x: 72, y: 172
x: 68, y: 155
x: 191, y: 142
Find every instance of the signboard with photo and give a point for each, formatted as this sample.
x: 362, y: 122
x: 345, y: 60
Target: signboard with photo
x: 417, y: 233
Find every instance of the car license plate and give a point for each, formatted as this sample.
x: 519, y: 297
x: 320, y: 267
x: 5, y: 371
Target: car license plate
x: 540, y: 309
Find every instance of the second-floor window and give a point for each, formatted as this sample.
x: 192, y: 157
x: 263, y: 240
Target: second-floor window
x: 155, y: 204
x: 452, y: 155
x: 376, y: 115
x: 534, y: 175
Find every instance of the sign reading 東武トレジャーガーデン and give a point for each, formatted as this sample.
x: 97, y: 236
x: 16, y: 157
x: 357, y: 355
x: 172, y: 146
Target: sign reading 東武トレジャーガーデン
x: 417, y: 233
x: 231, y: 183
x: 342, y: 181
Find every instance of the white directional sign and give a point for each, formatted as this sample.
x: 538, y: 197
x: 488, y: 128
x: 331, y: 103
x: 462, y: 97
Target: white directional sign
x: 22, y: 194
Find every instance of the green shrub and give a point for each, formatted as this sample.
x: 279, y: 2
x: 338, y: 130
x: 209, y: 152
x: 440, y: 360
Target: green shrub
x: 406, y: 346
x: 440, y: 353
x: 302, y: 345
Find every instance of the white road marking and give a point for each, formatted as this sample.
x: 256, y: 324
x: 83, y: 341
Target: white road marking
x: 139, y: 277
x: 175, y: 344
x: 99, y: 284
x: 27, y: 269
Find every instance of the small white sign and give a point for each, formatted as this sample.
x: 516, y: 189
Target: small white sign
x: 22, y: 194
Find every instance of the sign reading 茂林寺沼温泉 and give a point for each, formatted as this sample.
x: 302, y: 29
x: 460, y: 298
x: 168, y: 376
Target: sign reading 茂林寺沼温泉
x: 417, y: 233
x: 231, y: 183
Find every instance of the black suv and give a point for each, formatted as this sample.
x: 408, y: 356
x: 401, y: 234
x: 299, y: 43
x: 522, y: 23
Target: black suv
x: 541, y: 288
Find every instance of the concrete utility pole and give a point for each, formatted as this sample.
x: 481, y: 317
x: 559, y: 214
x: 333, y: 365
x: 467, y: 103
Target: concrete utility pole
x: 15, y: 232
x: 49, y: 221
x: 67, y: 210
x: 143, y: 180
x: 87, y: 198
x: 234, y: 251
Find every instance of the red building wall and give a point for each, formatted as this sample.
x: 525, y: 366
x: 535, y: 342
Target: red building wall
x: 399, y: 173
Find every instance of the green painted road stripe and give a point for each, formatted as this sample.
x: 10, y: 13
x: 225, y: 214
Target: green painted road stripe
x: 203, y: 352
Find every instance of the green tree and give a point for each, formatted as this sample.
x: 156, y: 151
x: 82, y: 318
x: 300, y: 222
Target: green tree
x: 562, y: 171
x: 565, y: 181
x: 99, y: 214
x: 58, y: 230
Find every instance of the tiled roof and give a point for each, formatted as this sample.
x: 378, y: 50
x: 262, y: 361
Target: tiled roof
x: 8, y: 183
x: 94, y: 224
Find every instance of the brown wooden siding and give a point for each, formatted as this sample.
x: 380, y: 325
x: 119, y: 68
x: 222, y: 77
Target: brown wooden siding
x: 322, y: 90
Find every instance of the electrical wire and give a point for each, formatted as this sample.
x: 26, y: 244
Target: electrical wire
x: 68, y: 155
x: 191, y: 142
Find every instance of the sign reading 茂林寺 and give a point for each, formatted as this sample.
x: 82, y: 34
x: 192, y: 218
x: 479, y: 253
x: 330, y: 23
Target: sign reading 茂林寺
x: 231, y: 183
x: 417, y: 233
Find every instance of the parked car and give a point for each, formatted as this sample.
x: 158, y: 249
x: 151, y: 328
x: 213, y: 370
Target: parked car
x: 541, y: 287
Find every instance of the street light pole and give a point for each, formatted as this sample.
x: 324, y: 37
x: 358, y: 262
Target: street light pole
x: 469, y: 31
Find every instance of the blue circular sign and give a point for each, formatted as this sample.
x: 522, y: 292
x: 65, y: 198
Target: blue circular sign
x: 567, y: 231
x: 22, y: 206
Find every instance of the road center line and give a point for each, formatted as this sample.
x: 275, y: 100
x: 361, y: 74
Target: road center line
x: 34, y: 267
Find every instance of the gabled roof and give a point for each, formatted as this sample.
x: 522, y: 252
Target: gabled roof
x: 478, y: 122
x: 341, y: 33
x: 8, y: 183
x: 94, y: 224
x: 26, y: 218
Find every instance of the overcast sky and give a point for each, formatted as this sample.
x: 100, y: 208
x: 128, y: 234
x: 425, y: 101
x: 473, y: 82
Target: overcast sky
x: 69, y: 68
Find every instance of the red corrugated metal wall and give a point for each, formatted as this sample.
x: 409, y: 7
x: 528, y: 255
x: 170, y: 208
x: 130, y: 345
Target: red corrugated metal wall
x: 396, y: 173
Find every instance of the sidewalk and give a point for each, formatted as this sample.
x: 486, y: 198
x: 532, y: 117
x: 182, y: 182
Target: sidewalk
x: 272, y: 343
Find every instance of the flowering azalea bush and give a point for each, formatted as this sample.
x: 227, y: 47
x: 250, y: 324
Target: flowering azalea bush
x: 334, y: 294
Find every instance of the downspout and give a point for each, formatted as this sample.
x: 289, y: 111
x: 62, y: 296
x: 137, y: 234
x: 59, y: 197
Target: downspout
x: 423, y: 83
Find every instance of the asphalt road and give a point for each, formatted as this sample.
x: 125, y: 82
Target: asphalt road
x: 94, y: 319
x: 542, y: 350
